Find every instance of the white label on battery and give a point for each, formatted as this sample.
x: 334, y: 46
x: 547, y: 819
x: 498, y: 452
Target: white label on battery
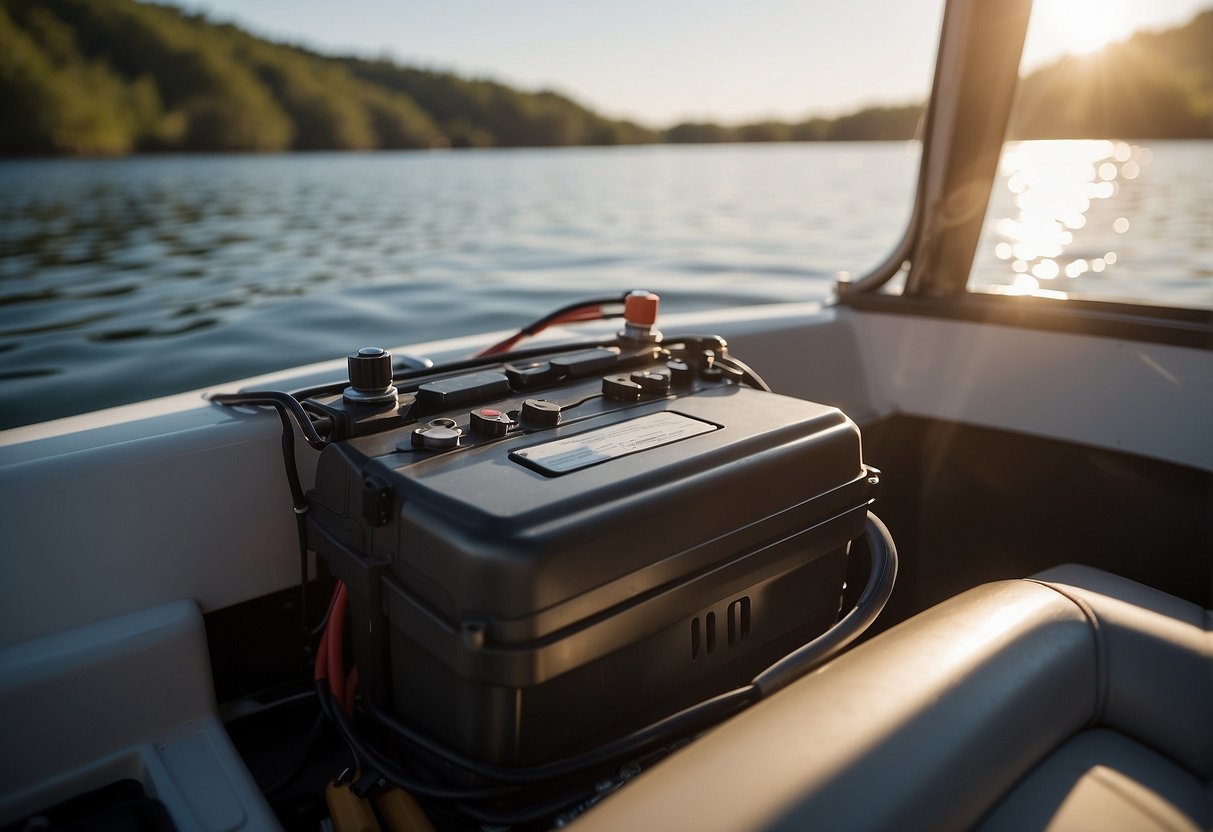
x: 592, y: 447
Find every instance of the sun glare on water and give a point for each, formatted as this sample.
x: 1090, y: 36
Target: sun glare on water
x: 1077, y: 27
x: 1057, y: 230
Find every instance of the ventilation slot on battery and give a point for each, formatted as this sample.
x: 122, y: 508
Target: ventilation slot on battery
x: 739, y: 620
x: 704, y: 643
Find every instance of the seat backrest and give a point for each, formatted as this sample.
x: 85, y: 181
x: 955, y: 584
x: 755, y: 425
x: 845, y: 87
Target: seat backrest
x: 929, y: 724
x: 1155, y: 663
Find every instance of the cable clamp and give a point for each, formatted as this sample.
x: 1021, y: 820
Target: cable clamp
x: 301, y: 509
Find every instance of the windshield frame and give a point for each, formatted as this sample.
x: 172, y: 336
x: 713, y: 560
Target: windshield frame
x: 969, y: 109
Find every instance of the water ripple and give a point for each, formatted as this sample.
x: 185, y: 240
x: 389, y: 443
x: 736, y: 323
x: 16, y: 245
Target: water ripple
x: 235, y: 265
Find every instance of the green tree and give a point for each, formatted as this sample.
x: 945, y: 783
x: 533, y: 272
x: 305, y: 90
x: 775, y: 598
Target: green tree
x: 877, y: 124
x: 115, y: 76
x: 1154, y: 85
x: 764, y: 131
x: 56, y: 102
x: 698, y: 133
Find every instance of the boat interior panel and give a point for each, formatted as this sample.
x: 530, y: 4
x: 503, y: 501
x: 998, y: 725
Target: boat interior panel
x: 128, y: 700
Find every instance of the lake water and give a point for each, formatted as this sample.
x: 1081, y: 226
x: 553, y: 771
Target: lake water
x: 130, y: 278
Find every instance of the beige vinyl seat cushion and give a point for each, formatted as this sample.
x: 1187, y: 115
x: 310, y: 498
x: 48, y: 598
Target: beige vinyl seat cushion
x: 1101, y: 779
x: 1075, y: 700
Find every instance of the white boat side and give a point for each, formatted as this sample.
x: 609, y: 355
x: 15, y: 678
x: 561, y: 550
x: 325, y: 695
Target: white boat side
x: 113, y: 512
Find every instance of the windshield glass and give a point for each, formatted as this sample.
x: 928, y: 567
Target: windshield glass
x: 1105, y: 190
x: 257, y: 185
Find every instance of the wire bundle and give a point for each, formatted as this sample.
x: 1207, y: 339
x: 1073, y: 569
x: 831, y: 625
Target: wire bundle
x: 492, y: 794
x: 586, y: 310
x: 501, y: 791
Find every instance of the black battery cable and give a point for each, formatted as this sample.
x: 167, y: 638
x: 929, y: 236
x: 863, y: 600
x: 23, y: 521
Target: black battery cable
x: 879, y: 587
x: 510, y: 781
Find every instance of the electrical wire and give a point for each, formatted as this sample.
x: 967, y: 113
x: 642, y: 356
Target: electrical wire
x: 320, y: 680
x: 402, y: 378
x: 329, y: 667
x: 368, y: 754
x: 329, y: 677
x: 564, y: 408
x: 286, y: 406
x: 882, y: 575
x: 280, y: 401
x: 748, y: 375
x: 529, y: 814
x: 586, y: 310
x: 876, y: 593
x: 334, y: 644
x: 454, y: 367
x: 687, y: 721
x: 319, y: 628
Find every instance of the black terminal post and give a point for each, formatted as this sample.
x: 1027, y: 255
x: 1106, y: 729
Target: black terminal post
x: 370, y: 377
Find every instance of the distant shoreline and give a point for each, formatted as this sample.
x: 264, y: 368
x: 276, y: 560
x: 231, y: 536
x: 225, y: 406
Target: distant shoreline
x: 275, y: 154
x: 127, y: 78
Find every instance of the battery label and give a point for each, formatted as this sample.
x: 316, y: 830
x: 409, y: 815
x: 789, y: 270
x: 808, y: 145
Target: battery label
x: 592, y: 447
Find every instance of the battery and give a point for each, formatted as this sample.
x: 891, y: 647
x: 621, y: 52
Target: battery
x: 533, y: 573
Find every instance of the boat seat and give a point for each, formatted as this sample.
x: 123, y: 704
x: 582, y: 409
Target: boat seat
x: 1075, y: 700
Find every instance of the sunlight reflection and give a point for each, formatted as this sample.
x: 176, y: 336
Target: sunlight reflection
x: 1028, y: 285
x: 1078, y: 27
x: 1054, y: 186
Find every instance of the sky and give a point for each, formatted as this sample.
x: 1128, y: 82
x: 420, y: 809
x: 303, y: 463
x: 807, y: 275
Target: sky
x: 665, y: 61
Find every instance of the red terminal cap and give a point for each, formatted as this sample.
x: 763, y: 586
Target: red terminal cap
x: 640, y: 308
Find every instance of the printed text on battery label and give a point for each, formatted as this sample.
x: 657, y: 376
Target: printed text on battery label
x: 590, y: 448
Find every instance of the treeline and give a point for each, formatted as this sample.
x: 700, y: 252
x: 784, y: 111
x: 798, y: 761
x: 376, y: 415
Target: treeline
x: 116, y: 76
x: 1153, y: 85
x: 869, y: 124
